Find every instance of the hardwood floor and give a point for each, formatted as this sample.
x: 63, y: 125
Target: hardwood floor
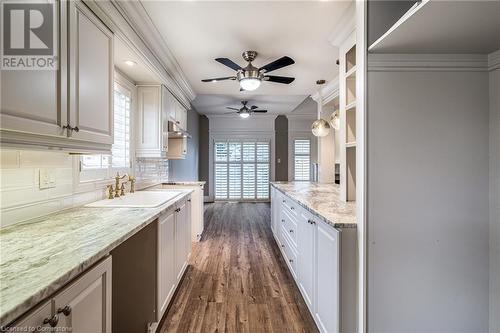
x: 237, y: 280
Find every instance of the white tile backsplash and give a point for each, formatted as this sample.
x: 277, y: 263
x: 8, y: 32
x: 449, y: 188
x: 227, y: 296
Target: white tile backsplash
x: 21, y: 198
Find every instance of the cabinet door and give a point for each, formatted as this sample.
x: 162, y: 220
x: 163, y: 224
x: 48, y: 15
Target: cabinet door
x: 32, y: 101
x: 188, y: 224
x: 85, y: 306
x: 180, y: 241
x: 327, y: 278
x: 165, y: 109
x: 166, y: 274
x: 306, y: 244
x: 149, y: 128
x: 91, y: 84
x: 36, y: 320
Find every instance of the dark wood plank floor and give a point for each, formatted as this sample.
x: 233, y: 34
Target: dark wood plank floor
x: 237, y: 280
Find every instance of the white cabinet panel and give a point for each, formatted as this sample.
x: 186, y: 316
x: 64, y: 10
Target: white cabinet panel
x: 182, y: 238
x: 152, y: 122
x: 30, y: 99
x: 38, y: 317
x: 306, y: 245
x: 327, y: 278
x: 91, y: 84
x: 165, y: 267
x: 85, y: 306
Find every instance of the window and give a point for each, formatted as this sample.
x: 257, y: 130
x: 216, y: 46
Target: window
x: 241, y: 170
x: 99, y: 167
x: 302, y: 159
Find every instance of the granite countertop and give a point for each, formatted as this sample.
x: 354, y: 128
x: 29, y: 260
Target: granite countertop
x: 40, y: 256
x: 181, y: 182
x: 323, y: 200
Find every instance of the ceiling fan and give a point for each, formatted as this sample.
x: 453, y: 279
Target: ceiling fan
x: 250, y: 77
x: 245, y: 111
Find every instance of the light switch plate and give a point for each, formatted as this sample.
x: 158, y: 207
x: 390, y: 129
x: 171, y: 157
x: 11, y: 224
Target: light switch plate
x: 47, y: 178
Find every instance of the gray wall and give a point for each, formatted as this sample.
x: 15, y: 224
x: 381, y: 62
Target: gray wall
x: 495, y: 201
x: 427, y: 225
x: 281, y: 148
x: 204, y: 147
x: 187, y: 169
x: 383, y: 14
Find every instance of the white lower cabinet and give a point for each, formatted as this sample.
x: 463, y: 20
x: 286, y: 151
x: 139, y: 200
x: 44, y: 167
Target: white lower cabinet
x: 82, y: 307
x: 174, y: 248
x: 165, y: 267
x: 327, y: 279
x: 311, y: 249
x: 306, y: 241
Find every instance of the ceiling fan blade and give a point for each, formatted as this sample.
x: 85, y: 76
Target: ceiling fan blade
x: 253, y: 107
x: 229, y: 63
x: 229, y: 112
x: 260, y: 111
x: 279, y: 79
x: 277, y: 64
x: 219, y: 79
x: 230, y: 108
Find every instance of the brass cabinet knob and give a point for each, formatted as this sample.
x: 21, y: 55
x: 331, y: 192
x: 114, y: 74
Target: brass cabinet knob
x: 52, y: 321
x: 65, y: 311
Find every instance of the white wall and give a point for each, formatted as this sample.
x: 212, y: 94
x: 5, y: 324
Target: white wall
x: 427, y: 191
x: 494, y: 85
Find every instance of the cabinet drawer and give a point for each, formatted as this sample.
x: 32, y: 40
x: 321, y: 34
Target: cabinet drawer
x: 290, y: 227
x: 290, y: 255
x: 289, y: 205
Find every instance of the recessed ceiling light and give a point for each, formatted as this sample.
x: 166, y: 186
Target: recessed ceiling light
x: 130, y: 63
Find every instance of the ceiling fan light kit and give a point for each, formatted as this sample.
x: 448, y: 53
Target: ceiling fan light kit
x: 250, y: 77
x: 245, y: 111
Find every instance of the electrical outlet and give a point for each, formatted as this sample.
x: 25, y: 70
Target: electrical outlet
x: 47, y: 178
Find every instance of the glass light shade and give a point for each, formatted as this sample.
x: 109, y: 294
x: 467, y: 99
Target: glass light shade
x: 335, y: 120
x: 320, y: 128
x: 244, y: 114
x: 249, y: 84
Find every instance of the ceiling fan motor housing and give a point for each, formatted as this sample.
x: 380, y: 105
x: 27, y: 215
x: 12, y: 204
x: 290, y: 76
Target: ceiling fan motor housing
x: 249, y: 55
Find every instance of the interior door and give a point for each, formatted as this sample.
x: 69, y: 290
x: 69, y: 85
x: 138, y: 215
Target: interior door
x: 33, y: 101
x: 91, y: 50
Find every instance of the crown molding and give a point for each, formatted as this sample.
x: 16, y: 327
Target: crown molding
x: 345, y: 27
x: 430, y: 62
x: 327, y: 93
x: 130, y: 22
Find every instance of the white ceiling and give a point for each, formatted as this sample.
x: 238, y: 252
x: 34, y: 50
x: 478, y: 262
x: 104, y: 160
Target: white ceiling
x: 138, y: 73
x: 199, y: 31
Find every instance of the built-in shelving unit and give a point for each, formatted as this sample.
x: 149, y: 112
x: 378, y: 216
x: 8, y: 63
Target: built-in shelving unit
x: 438, y: 27
x: 347, y: 92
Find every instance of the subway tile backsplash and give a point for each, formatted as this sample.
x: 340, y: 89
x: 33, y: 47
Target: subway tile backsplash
x: 22, y: 199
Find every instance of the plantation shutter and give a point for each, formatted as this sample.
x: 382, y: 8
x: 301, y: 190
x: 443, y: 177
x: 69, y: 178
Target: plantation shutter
x: 302, y: 159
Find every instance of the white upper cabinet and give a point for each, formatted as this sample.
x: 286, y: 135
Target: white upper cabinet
x: 70, y: 107
x: 151, y: 125
x: 31, y: 99
x: 91, y: 72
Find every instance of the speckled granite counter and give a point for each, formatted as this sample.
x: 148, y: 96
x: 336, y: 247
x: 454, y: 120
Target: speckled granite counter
x: 323, y: 200
x: 40, y: 256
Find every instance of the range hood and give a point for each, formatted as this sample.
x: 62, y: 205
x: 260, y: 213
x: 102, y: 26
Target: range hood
x: 174, y: 131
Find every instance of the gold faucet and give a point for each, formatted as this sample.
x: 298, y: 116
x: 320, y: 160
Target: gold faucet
x: 117, y: 185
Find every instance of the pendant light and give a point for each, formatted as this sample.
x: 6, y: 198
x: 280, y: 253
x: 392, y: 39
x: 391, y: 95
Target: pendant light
x: 335, y: 120
x: 320, y: 128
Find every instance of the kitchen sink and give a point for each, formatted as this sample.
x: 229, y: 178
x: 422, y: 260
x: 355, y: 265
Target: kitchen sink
x: 142, y: 199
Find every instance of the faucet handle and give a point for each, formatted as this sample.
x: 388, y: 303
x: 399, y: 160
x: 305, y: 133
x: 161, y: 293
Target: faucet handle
x: 110, y: 191
x: 122, y: 189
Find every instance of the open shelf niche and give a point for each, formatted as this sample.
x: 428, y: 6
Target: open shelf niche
x: 347, y: 93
